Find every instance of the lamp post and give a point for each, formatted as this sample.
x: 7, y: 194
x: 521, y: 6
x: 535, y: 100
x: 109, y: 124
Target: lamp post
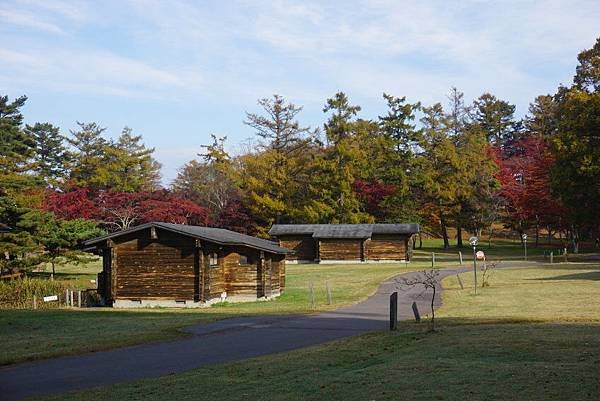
x: 524, y: 236
x: 473, y: 241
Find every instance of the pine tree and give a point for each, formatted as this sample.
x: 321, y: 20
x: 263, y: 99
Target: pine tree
x: 496, y: 118
x: 88, y: 154
x: 50, y: 158
x: 16, y: 146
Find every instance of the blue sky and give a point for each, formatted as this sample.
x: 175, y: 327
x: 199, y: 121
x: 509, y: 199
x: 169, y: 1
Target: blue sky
x: 178, y: 71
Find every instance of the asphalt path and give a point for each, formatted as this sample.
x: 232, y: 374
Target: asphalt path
x: 222, y: 341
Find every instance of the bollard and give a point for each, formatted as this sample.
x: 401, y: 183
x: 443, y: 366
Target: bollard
x: 432, y: 260
x: 394, y: 311
x: 416, y: 312
x: 551, y: 257
x: 34, y: 302
x: 460, y: 257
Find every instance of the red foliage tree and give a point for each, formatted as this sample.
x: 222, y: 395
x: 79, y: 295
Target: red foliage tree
x: 526, y: 186
x: 117, y: 210
x: 371, y: 194
x: 236, y: 217
x: 71, y: 205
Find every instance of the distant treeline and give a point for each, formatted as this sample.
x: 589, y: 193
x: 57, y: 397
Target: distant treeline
x: 449, y: 164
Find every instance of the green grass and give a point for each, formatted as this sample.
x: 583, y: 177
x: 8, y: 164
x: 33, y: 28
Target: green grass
x: 534, y: 334
x: 28, y: 335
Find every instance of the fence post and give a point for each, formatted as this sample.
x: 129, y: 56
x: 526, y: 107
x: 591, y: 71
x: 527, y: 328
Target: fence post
x: 311, y: 293
x: 34, y: 302
x: 551, y: 257
x: 329, y: 297
x: 432, y: 260
x: 79, y: 299
x: 460, y: 257
x: 462, y: 287
x: 416, y: 312
x: 394, y: 311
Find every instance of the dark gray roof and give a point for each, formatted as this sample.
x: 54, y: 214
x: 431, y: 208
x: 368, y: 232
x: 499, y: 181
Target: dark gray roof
x: 4, y: 228
x: 219, y: 236
x: 342, y: 230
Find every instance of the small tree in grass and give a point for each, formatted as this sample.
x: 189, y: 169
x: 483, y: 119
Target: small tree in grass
x: 58, y: 239
x: 428, y: 280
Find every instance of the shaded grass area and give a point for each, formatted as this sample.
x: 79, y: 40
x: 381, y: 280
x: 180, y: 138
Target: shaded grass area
x: 484, y: 362
x: 28, y: 335
x: 533, y: 334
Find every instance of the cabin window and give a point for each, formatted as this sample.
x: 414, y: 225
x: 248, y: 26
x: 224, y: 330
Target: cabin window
x: 213, y: 259
x: 245, y: 260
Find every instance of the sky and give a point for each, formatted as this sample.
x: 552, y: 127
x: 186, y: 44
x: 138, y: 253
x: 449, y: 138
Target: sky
x: 178, y: 71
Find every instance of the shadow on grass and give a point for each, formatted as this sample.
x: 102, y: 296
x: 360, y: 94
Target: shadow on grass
x: 594, y: 276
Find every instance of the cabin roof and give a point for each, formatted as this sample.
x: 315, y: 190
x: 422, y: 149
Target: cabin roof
x: 4, y: 228
x: 219, y: 236
x: 360, y: 231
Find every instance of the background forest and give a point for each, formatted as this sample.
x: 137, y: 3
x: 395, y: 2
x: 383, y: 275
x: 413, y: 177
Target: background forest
x: 452, y: 166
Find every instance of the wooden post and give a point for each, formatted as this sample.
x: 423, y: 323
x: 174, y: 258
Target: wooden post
x: 67, y: 297
x: 394, y: 311
x: 311, y: 295
x: 462, y: 287
x: 416, y: 312
x: 329, y: 297
x: 432, y: 260
x: 551, y: 257
x: 460, y: 257
x: 34, y: 302
x: 79, y: 299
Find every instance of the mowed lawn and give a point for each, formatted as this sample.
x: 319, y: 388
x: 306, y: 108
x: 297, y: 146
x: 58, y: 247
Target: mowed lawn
x: 534, y: 334
x: 28, y: 334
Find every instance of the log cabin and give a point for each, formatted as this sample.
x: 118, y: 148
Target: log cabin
x: 345, y: 243
x: 174, y: 265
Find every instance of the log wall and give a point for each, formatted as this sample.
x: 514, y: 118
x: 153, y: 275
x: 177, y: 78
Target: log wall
x: 303, y: 246
x: 386, y: 247
x: 340, y: 249
x: 154, y: 269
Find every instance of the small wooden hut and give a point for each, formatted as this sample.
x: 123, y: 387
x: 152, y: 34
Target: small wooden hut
x: 344, y: 243
x: 162, y: 264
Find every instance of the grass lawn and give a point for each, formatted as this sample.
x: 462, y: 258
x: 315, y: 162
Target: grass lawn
x: 534, y: 334
x: 39, y: 334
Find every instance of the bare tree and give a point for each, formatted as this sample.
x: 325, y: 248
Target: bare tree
x: 429, y: 280
x: 488, y: 269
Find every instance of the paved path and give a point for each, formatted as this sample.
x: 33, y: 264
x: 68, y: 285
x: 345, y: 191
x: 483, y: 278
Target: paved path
x: 222, y: 341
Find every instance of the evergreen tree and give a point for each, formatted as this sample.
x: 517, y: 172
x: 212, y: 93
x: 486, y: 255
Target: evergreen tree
x: 16, y: 146
x: 50, y: 158
x: 437, y: 173
x: 88, y: 154
x: 496, y: 118
x: 128, y: 165
x: 541, y: 119
x: 337, y: 166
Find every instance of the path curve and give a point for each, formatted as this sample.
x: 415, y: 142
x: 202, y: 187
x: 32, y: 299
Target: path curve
x: 222, y: 341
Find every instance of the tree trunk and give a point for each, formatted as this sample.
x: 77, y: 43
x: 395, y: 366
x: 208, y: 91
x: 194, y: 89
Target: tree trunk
x: 490, y: 237
x: 459, y: 241
x: 444, y: 231
x: 537, y: 232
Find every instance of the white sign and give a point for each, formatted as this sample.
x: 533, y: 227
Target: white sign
x: 51, y: 298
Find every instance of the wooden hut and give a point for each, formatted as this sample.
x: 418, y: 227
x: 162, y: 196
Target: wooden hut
x: 344, y: 243
x: 162, y: 264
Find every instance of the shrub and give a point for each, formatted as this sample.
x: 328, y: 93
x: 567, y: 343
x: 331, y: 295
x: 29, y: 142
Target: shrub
x: 18, y: 294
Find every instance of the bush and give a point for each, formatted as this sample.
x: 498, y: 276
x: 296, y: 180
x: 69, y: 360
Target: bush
x: 18, y: 294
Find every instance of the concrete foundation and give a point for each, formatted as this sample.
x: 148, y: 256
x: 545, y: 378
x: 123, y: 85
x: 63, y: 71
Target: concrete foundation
x: 171, y: 303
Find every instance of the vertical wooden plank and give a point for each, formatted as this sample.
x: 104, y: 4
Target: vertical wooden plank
x: 113, y: 274
x: 394, y: 311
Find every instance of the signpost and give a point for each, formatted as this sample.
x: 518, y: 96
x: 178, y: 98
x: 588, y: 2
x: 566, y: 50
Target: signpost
x: 473, y: 241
